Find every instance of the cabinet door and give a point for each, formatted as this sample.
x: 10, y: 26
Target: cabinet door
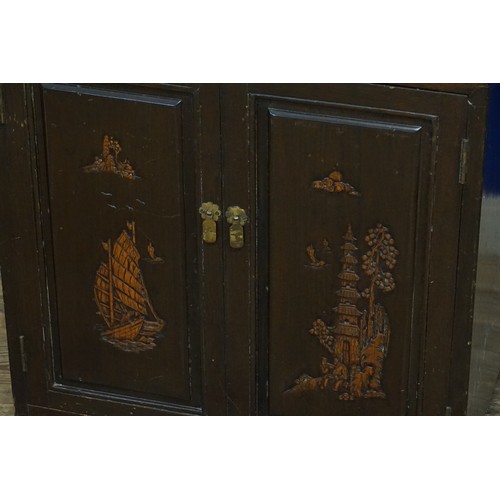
x: 120, y: 282
x: 354, y: 200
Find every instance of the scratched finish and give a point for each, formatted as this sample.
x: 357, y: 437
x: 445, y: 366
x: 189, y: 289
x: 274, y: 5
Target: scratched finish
x: 140, y: 139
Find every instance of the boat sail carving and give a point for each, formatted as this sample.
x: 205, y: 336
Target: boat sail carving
x: 153, y: 258
x: 122, y: 297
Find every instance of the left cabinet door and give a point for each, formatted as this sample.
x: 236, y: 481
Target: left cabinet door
x: 112, y: 298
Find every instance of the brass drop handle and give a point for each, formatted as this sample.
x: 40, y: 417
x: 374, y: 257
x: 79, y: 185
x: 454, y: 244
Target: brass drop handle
x: 210, y: 214
x: 237, y: 218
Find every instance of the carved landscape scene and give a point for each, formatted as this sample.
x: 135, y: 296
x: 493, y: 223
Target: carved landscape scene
x: 357, y: 342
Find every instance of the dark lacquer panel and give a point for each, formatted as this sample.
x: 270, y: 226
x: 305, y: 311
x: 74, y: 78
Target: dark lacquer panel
x: 347, y: 193
x: 120, y: 183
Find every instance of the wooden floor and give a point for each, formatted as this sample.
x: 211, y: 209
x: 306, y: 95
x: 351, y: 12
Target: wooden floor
x: 485, y: 359
x: 484, y: 386
x: 6, y: 401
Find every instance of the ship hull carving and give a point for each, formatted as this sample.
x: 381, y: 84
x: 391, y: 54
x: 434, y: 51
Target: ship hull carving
x: 122, y: 297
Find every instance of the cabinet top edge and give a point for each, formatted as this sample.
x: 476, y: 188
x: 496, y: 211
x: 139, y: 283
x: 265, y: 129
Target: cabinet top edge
x: 456, y: 88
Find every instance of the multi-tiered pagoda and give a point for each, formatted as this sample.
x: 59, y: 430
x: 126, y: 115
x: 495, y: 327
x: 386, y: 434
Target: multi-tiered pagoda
x: 356, y: 354
x: 348, y: 331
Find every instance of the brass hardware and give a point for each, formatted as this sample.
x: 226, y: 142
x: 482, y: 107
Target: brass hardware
x: 237, y: 217
x: 210, y: 214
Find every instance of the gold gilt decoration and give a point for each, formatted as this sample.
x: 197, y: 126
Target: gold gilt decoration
x: 334, y: 184
x: 122, y: 297
x: 358, y: 340
x: 108, y: 161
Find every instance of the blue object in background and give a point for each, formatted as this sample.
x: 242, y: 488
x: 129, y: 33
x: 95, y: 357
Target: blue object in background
x: 491, y: 182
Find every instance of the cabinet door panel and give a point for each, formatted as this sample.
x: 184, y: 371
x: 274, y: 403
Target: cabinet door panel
x: 119, y: 189
x: 327, y: 169
x: 352, y: 183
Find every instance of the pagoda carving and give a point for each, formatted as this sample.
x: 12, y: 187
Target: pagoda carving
x: 358, y: 340
x: 347, y: 328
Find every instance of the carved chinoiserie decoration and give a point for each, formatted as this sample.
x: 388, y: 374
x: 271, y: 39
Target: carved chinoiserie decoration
x: 334, y: 184
x: 314, y: 261
x: 358, y: 341
x: 317, y: 254
x: 122, y: 297
x: 108, y: 161
x: 153, y: 258
x: 210, y: 214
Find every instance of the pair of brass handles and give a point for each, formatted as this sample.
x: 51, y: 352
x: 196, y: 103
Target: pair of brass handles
x: 235, y: 216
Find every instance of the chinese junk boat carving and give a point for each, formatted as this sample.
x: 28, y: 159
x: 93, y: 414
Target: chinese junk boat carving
x: 122, y: 297
x: 358, y: 341
x: 313, y: 259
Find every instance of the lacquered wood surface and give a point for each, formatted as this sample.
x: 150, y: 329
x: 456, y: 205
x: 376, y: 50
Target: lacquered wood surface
x: 237, y: 316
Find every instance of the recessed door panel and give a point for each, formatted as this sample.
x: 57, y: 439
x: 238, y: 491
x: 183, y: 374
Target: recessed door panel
x: 346, y: 196
x: 121, y: 212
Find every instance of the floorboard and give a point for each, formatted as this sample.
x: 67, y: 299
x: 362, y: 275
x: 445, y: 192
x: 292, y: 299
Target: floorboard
x: 6, y: 400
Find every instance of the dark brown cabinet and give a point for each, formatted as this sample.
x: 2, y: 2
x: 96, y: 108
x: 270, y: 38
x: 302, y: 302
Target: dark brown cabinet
x: 341, y: 284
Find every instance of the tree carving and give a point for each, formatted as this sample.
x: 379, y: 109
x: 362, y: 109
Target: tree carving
x: 357, y: 343
x: 377, y: 261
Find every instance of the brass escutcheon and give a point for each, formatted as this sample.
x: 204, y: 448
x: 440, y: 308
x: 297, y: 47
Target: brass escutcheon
x: 237, y: 217
x: 210, y: 214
